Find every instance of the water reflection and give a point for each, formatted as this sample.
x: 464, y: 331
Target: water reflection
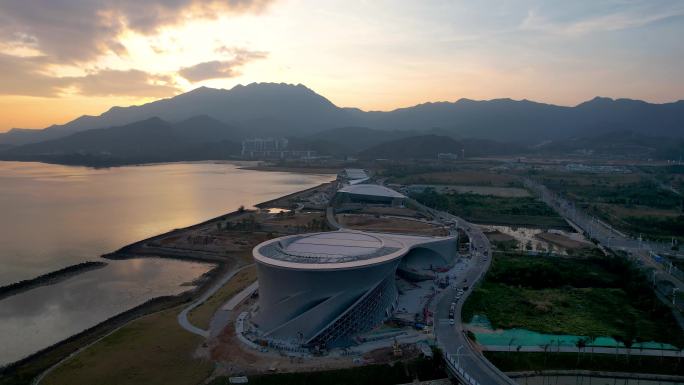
x: 54, y: 216
x: 43, y: 316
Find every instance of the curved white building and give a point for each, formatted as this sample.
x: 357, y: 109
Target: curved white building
x: 318, y: 290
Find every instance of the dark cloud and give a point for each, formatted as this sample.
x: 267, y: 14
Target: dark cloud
x: 126, y: 83
x: 217, y: 69
x: 72, y: 31
x: 76, y: 32
x: 26, y: 76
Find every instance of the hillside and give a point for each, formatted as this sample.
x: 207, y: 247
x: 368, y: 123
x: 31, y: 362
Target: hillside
x: 150, y: 140
x: 623, y: 143
x: 269, y: 109
x: 414, y: 147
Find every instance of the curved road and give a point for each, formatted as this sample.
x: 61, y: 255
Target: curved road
x: 464, y: 360
x: 183, y: 315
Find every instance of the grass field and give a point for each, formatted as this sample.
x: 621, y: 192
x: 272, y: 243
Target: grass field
x: 23, y: 372
x: 510, y: 362
x: 461, y: 177
x: 399, y: 373
x: 636, y: 202
x: 587, y: 297
x: 201, y: 315
x: 389, y: 225
x: 522, y: 211
x: 148, y: 351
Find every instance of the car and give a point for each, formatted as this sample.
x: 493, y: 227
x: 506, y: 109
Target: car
x: 452, y: 321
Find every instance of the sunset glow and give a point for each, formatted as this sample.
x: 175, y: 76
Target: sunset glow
x: 375, y: 55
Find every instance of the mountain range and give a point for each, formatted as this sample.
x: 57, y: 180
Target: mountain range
x: 187, y: 124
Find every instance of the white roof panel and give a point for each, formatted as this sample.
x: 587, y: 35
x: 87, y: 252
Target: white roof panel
x: 371, y: 190
x: 355, y: 173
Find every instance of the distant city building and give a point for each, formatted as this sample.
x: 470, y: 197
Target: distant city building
x: 598, y: 169
x: 447, y: 156
x: 272, y: 148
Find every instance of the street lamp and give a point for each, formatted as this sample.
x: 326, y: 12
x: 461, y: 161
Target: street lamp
x: 674, y: 295
x: 458, y: 356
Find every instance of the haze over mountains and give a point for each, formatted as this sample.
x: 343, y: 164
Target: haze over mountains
x: 188, y: 123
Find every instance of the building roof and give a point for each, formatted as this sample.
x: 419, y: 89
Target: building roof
x: 355, y: 173
x: 336, y: 249
x: 371, y: 190
x: 329, y: 247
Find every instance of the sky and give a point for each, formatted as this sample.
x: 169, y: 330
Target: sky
x: 60, y: 59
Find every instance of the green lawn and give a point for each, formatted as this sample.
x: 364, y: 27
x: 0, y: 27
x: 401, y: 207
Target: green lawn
x: 201, y: 315
x: 399, y: 373
x: 635, y: 202
x: 587, y: 297
x: 493, y: 209
x: 150, y: 350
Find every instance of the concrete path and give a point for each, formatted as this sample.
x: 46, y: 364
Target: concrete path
x: 183, y: 316
x: 588, y: 350
x: 241, y: 296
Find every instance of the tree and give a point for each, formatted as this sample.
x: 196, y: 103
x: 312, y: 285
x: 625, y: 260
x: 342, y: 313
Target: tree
x: 591, y: 339
x: 628, y: 341
x: 546, y: 350
x: 581, y: 343
x: 618, y: 340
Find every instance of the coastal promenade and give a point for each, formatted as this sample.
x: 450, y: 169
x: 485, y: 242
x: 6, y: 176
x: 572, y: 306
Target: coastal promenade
x: 183, y: 320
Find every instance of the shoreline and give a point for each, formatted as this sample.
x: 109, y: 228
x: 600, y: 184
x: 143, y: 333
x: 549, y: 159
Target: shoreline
x: 46, y: 357
x: 25, y: 369
x: 243, y: 164
x: 293, y: 169
x: 50, y: 278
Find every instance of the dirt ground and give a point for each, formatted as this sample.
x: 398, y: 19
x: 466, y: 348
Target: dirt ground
x: 563, y: 241
x: 234, y: 358
x: 475, y: 178
x: 389, y: 224
x: 497, y: 236
x: 313, y: 198
x: 285, y: 221
x: 396, y: 211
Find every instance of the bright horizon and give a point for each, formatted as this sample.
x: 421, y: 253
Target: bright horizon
x: 84, y: 56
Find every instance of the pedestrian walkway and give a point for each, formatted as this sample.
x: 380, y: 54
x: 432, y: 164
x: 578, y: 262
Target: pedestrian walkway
x: 183, y: 316
x: 588, y: 350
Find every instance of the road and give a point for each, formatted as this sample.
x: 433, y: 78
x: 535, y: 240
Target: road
x: 464, y: 360
x: 452, y: 338
x: 606, y: 235
x: 597, y: 229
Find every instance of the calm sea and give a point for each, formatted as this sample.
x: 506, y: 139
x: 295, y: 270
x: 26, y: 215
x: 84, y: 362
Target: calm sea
x: 53, y: 216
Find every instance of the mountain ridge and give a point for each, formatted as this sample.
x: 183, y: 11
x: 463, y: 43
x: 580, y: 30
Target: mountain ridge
x: 280, y: 109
